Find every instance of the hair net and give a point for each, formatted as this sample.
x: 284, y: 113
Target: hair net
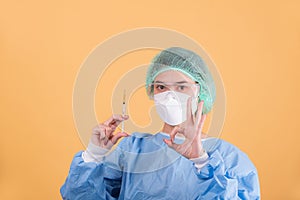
x: 190, y: 64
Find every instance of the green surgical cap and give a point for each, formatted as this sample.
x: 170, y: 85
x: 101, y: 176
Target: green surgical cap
x: 190, y: 64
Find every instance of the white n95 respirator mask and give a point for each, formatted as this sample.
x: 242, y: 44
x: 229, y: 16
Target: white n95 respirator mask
x: 171, y: 106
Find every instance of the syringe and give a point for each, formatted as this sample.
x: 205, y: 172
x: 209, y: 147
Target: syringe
x: 123, y: 110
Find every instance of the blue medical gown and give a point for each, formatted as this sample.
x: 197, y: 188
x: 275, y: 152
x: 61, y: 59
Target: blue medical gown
x: 144, y: 167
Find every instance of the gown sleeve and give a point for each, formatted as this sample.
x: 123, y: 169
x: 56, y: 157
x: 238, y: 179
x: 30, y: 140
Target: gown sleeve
x: 229, y: 174
x: 91, y: 180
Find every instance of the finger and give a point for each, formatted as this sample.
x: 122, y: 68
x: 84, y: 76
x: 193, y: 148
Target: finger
x: 174, y: 132
x: 171, y: 144
x: 108, y: 134
x: 199, y: 112
x: 99, y: 131
x: 118, y: 136
x: 115, y: 119
x: 201, y: 123
x: 189, y: 112
x: 113, y: 127
x: 96, y: 130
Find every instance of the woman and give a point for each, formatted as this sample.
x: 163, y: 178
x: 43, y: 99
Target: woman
x: 179, y: 162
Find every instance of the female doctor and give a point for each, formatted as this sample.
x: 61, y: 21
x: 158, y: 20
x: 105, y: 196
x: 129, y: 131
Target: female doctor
x: 179, y: 162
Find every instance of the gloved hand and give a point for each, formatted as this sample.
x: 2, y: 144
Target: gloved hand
x: 102, y: 134
x: 192, y: 130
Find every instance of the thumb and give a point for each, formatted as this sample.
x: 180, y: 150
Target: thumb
x: 118, y: 136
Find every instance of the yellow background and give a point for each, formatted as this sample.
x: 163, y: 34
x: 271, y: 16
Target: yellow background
x: 255, y: 45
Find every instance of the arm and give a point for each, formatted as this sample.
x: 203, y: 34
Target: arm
x: 229, y: 174
x: 201, y: 161
x: 91, y: 180
x: 90, y: 176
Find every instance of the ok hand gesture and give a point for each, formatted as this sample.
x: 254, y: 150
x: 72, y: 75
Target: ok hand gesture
x: 192, y: 130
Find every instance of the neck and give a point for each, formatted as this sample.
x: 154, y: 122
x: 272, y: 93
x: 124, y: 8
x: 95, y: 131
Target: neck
x: 167, y: 128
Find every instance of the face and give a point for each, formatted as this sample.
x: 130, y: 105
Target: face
x: 175, y: 81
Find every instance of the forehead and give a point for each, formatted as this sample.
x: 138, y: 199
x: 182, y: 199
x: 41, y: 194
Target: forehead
x: 172, y: 76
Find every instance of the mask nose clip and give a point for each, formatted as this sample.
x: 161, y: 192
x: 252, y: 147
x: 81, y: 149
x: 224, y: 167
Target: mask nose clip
x: 171, y: 95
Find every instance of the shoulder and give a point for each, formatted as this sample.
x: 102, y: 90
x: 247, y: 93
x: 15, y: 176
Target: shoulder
x: 236, y: 162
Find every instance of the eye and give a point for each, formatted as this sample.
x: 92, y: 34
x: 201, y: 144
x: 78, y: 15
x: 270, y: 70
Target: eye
x: 160, y: 87
x: 182, y: 87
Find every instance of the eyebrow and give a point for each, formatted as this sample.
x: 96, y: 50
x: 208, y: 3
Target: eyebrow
x: 175, y: 82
